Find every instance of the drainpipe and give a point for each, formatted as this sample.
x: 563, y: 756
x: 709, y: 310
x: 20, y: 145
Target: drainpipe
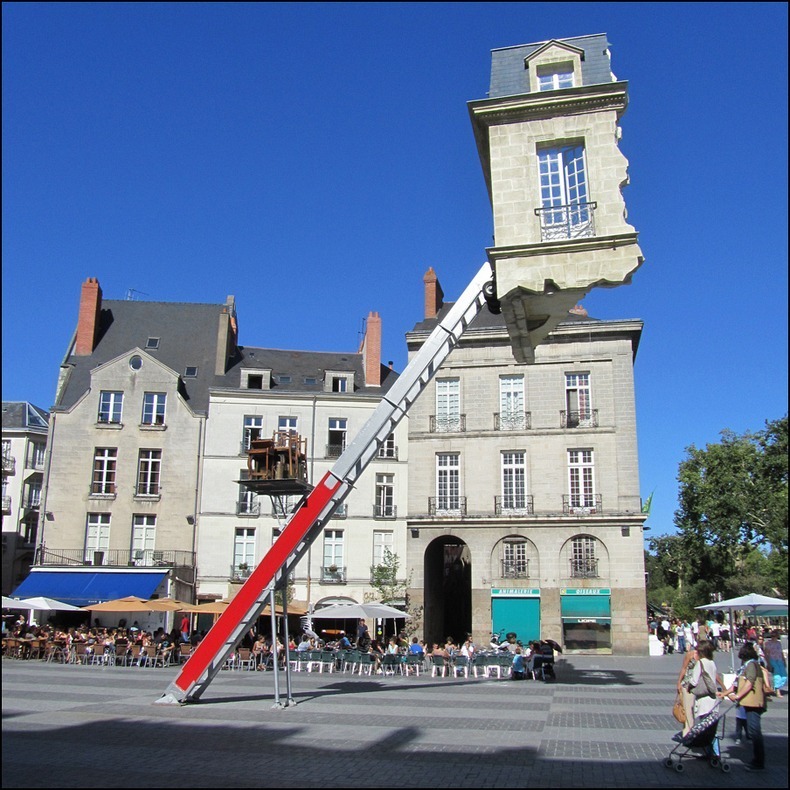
x: 195, y: 509
x: 38, y: 558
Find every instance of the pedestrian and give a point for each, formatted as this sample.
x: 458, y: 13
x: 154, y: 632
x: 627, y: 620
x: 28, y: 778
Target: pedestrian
x: 750, y: 695
x: 775, y: 661
x: 185, y: 628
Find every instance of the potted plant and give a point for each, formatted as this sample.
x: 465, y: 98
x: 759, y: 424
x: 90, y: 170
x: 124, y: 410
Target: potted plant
x: 332, y: 568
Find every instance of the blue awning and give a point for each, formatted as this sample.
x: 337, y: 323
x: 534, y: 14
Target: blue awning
x: 80, y: 588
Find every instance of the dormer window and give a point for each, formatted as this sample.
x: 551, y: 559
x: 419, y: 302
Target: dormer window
x: 256, y: 379
x: 554, y: 76
x: 338, y: 381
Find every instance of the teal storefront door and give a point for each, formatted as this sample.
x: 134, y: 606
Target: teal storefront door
x: 519, y: 613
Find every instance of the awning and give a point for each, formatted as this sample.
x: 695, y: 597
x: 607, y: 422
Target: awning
x: 80, y: 588
x: 585, y: 607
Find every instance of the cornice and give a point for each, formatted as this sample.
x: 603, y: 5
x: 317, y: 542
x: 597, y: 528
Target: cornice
x: 539, y: 249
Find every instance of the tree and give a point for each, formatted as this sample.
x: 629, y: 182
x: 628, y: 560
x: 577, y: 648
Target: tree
x: 384, y: 580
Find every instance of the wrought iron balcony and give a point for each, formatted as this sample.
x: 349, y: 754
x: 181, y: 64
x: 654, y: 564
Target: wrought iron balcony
x: 579, y: 419
x: 241, y: 571
x: 575, y: 505
x: 334, y: 450
x: 9, y: 464
x: 247, y: 507
x: 586, y: 568
x: 514, y: 505
x: 454, y: 424
x: 512, y: 421
x: 385, y: 511
x: 6, y: 504
x: 514, y: 569
x: 155, y: 558
x: 447, y: 506
x: 574, y: 221
x: 333, y: 574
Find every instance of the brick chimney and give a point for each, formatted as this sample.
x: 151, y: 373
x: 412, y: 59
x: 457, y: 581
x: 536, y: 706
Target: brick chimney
x: 433, y: 294
x: 88, y: 322
x: 371, y: 350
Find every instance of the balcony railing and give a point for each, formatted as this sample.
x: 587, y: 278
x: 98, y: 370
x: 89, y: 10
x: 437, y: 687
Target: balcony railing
x: 9, y: 464
x: 512, y: 421
x: 334, y: 450
x: 6, y: 504
x: 245, y: 507
x: 333, y: 574
x: 447, y: 506
x: 579, y: 419
x: 454, y: 424
x: 155, y: 558
x: 390, y: 453
x: 241, y: 571
x: 581, y: 506
x: 584, y: 568
x: 385, y: 511
x: 515, y: 569
x: 574, y: 221
x: 514, y: 505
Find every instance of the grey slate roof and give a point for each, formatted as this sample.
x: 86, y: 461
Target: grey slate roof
x: 509, y: 77
x: 301, y: 365
x: 187, y: 335
x: 23, y: 416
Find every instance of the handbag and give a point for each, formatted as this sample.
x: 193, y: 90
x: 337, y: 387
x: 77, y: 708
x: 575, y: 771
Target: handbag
x: 678, y: 711
x: 706, y: 687
x: 755, y: 698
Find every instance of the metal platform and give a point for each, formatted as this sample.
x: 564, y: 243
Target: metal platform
x: 283, y: 487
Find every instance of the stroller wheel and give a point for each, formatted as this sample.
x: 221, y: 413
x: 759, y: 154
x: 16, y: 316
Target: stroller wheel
x: 725, y: 767
x: 714, y: 762
x: 679, y: 768
x: 668, y: 762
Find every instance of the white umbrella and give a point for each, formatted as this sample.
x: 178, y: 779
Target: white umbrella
x: 13, y: 603
x: 43, y: 604
x: 754, y: 603
x: 353, y: 611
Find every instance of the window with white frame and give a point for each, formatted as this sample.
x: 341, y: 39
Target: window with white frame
x: 97, y: 536
x: 565, y: 208
x: 38, y: 451
x: 338, y: 427
x: 385, y: 496
x: 514, y: 558
x: 253, y: 427
x: 511, y: 403
x: 584, y: 562
x: 553, y: 76
x: 383, y: 542
x: 149, y: 471
x: 105, y: 460
x: 580, y: 478
x: 154, y: 408
x: 247, y: 503
x: 143, y: 538
x: 33, y: 498
x: 287, y: 424
x: 578, y: 402
x: 388, y: 448
x: 514, y: 481
x: 110, y: 406
x: 333, y: 551
x: 448, y: 404
x: 448, y: 481
x: 244, y: 549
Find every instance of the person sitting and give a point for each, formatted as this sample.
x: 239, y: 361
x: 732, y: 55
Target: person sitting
x: 305, y: 644
x: 344, y: 643
x: 519, y: 669
x: 415, y: 648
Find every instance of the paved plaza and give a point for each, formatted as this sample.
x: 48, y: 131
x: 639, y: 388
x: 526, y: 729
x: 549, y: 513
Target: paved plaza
x: 605, y: 722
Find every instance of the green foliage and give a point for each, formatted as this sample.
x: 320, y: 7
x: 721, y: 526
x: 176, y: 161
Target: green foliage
x: 732, y: 522
x: 384, y: 578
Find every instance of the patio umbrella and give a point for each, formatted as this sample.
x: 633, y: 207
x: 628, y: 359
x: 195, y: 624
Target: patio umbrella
x: 752, y: 603
x: 212, y: 607
x: 129, y: 604
x: 354, y: 611
x: 13, y: 603
x: 43, y: 604
x: 167, y: 605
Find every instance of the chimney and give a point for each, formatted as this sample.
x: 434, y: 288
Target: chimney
x: 433, y: 294
x: 88, y: 321
x: 227, y: 336
x: 371, y: 350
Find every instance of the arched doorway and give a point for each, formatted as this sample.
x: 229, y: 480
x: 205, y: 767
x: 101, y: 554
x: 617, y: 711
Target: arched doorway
x: 448, y: 590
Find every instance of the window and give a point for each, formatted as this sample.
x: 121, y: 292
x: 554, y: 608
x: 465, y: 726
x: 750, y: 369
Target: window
x: 584, y: 564
x: 448, y: 405
x: 565, y: 212
x: 247, y: 503
x: 253, y: 426
x: 148, y: 472
x: 284, y: 505
x: 514, y: 476
x: 448, y: 482
x: 310, y: 380
x: 383, y: 542
x: 110, y: 406
x: 338, y: 427
x: 97, y: 538
x: 385, y: 496
x: 38, y: 452
x: 578, y: 413
x: 255, y: 381
x: 244, y: 550
x: 104, y: 468
x: 580, y: 472
x: 190, y: 372
x: 284, y: 379
x: 511, y: 403
x: 333, y: 553
x: 33, y: 498
x: 287, y: 424
x: 154, y: 408
x: 143, y: 539
x: 152, y: 343
x: 514, y: 559
x: 388, y: 448
x: 554, y: 76
x: 339, y: 384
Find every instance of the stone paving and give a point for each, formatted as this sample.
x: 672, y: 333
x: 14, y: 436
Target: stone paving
x: 605, y: 722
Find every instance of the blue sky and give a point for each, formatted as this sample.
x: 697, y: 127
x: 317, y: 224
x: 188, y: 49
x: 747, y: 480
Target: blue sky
x: 323, y: 153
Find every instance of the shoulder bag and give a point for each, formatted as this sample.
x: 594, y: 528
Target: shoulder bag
x: 678, y: 711
x: 756, y: 697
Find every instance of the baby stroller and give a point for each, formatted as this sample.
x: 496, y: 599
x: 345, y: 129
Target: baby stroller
x: 701, y: 741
